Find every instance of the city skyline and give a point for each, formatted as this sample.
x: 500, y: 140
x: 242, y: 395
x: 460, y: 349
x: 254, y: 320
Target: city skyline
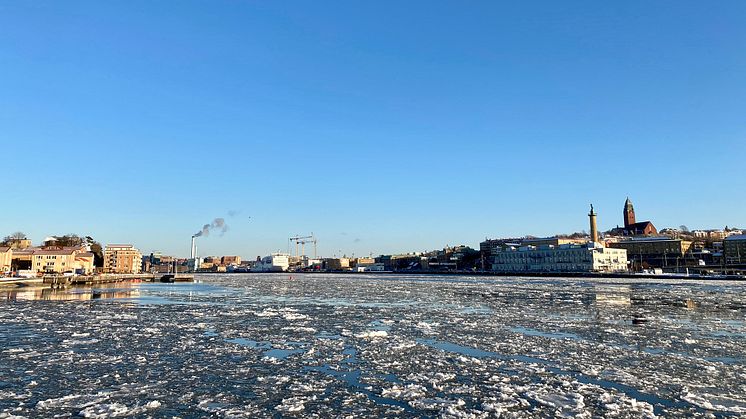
x: 215, y: 234
x: 139, y: 123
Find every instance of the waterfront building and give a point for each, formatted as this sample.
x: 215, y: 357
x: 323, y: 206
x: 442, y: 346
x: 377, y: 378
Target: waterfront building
x: 231, y: 260
x: 551, y: 241
x: 590, y: 257
x: 276, y: 262
x: 122, y: 259
x: 488, y: 247
x: 337, y: 264
x: 155, y: 258
x: 734, y: 250
x: 654, y: 252
x: 374, y: 267
x: 60, y: 260
x: 358, y: 262
x: 6, y: 257
x: 84, y: 263
x: 21, y: 260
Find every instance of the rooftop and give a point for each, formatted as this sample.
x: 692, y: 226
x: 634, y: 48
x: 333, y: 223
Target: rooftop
x: 648, y: 239
x: 54, y: 252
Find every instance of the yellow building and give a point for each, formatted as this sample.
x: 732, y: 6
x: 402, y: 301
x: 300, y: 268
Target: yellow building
x: 54, y: 260
x: 122, y: 259
x: 84, y: 263
x: 364, y: 261
x: 19, y: 243
x: 6, y: 256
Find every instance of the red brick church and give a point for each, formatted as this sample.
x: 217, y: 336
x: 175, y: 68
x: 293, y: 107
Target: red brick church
x: 631, y: 226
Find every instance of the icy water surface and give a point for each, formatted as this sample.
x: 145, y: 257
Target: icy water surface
x: 370, y: 346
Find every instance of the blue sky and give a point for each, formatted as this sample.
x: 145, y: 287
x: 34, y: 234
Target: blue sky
x: 383, y: 126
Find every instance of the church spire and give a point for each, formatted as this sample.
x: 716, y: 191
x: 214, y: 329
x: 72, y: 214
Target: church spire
x: 629, y: 214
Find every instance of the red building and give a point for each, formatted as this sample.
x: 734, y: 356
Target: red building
x: 631, y: 226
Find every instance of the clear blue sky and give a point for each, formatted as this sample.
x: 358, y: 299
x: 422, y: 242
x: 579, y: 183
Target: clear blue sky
x: 381, y: 126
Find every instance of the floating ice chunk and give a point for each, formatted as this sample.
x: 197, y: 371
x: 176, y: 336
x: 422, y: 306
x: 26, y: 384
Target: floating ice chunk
x: 300, y: 329
x: 59, y: 401
x: 291, y: 405
x: 267, y: 313
x: 372, y: 334
x: 439, y: 404
x: 404, y: 344
x: 105, y: 410
x: 153, y: 405
x: 409, y: 392
x: 715, y: 402
x: 74, y: 342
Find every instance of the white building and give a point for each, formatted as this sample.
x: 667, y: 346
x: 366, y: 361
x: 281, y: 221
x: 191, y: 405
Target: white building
x: 591, y: 257
x: 374, y: 267
x: 276, y: 262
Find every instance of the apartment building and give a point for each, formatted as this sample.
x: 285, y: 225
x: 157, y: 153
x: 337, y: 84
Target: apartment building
x: 591, y: 257
x: 122, y: 259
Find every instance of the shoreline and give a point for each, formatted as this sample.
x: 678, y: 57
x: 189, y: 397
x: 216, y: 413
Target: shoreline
x: 589, y: 275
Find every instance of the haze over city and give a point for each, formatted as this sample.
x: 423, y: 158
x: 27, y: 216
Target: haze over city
x: 381, y: 127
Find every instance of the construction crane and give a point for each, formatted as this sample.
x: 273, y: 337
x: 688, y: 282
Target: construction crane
x: 301, y: 241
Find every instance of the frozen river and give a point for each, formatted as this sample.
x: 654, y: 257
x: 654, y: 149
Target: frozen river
x: 370, y: 346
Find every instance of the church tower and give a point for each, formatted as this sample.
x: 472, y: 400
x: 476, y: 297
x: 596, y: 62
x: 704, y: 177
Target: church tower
x: 629, y: 214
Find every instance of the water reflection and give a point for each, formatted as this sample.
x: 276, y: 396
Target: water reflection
x: 71, y: 294
x: 613, y: 295
x: 135, y: 292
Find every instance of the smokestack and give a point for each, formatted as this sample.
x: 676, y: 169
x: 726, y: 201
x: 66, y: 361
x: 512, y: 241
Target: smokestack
x: 594, y: 229
x: 194, y: 247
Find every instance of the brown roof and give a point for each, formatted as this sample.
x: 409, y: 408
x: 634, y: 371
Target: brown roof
x: 4, y: 249
x: 54, y: 252
x: 641, y: 224
x: 29, y: 251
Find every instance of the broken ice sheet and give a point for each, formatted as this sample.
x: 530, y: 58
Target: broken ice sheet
x: 260, y: 345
